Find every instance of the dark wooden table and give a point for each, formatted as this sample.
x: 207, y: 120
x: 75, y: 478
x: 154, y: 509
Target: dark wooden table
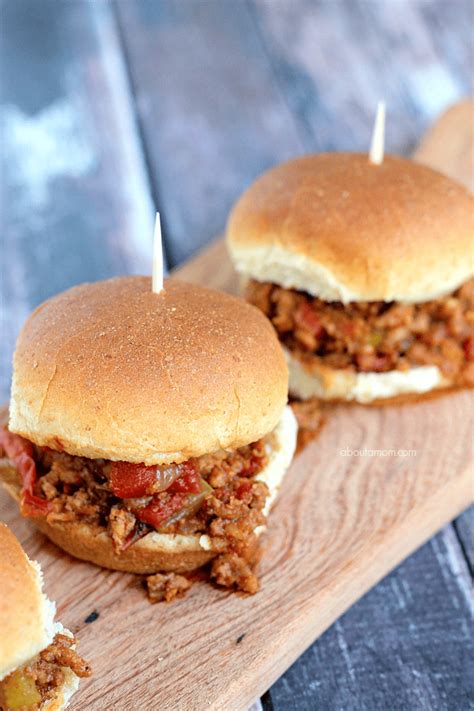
x: 112, y: 108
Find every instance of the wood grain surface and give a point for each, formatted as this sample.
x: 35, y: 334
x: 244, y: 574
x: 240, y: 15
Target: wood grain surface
x: 183, y: 103
x: 341, y: 523
x: 75, y: 196
x: 374, y: 486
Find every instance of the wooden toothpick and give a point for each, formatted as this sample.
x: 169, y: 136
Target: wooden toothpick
x: 378, y: 137
x: 157, y: 278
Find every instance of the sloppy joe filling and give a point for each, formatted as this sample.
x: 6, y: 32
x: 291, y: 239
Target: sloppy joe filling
x: 37, y: 682
x: 217, y: 494
x: 374, y: 336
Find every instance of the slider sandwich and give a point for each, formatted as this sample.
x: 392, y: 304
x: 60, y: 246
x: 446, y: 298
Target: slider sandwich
x: 39, y: 667
x: 365, y: 271
x: 149, y: 432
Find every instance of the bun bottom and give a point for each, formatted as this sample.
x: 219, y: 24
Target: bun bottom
x: 152, y: 554
x: 405, y: 399
x: 146, y: 556
x: 333, y: 385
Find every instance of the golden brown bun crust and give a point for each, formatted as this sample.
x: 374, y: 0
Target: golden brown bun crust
x: 315, y: 379
x: 25, y: 619
x: 81, y: 541
x: 341, y: 228
x: 113, y: 370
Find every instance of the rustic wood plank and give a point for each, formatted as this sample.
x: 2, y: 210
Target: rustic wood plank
x: 335, y: 60
x: 464, y: 527
x: 211, y: 112
x: 76, y: 201
x: 340, y: 524
x: 403, y: 646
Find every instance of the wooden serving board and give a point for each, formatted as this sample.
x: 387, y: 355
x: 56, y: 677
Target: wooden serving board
x: 341, y: 523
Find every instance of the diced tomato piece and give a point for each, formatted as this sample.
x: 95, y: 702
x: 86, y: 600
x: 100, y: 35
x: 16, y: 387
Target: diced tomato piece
x: 129, y: 481
x: 469, y: 348
x: 160, y: 510
x: 188, y: 483
x: 307, y: 318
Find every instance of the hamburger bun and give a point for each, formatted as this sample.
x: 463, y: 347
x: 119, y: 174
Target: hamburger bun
x: 27, y: 616
x: 342, y: 229
x: 26, y: 619
x: 157, y: 551
x: 112, y: 370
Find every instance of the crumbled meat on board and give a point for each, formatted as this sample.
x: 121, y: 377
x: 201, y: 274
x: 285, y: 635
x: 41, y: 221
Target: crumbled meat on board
x: 232, y: 571
x: 166, y: 586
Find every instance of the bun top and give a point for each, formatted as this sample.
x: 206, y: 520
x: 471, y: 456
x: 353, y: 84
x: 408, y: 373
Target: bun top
x: 112, y: 370
x: 343, y: 229
x: 26, y: 614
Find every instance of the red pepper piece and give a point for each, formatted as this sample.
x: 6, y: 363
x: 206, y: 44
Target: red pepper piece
x: 129, y: 481
x: 20, y: 453
x: 160, y: 510
x: 14, y: 445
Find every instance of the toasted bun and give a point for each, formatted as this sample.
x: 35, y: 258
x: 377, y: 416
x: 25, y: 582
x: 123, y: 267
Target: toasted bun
x: 26, y: 614
x: 164, y: 552
x: 343, y: 229
x: 112, y: 370
x: 334, y: 384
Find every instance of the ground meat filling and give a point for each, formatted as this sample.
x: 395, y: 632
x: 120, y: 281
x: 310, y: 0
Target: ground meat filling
x: 39, y: 681
x: 218, y: 495
x: 374, y: 336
